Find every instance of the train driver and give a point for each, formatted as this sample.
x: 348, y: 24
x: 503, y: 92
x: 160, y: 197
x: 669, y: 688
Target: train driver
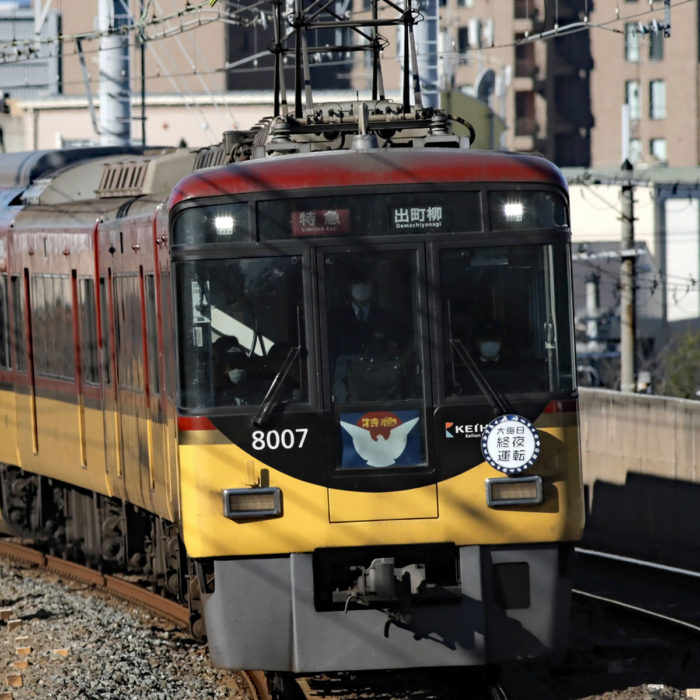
x: 367, y: 344
x: 489, y: 341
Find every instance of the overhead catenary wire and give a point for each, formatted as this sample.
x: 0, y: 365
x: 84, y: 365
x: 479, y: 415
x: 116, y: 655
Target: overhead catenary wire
x: 200, y: 78
x: 237, y: 16
x: 27, y: 49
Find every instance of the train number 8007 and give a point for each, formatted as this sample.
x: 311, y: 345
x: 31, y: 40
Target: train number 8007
x: 287, y: 439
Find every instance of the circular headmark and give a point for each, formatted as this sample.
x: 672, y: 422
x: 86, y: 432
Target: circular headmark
x: 510, y: 443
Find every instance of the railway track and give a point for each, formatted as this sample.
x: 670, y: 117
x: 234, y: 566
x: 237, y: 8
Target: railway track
x: 415, y: 684
x: 666, y: 594
x: 125, y: 590
x: 373, y: 685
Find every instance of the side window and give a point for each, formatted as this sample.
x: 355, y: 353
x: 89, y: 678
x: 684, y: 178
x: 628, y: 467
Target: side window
x: 127, y: 316
x: 166, y: 316
x: 106, y: 335
x: 39, y: 322
x: 241, y: 327
x: 18, y: 323
x: 4, y: 324
x: 51, y: 305
x: 88, y: 328
x: 152, y: 334
x: 503, y: 330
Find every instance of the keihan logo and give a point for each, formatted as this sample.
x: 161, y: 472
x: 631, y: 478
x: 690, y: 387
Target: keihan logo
x: 379, y: 437
x: 473, y: 430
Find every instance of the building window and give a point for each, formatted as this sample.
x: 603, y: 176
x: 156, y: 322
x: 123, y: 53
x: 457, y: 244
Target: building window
x: 524, y: 58
x: 657, y: 99
x: 657, y: 148
x: 462, y: 39
x: 631, y: 43
x: 635, y: 150
x: 656, y: 46
x: 39, y: 76
x: 632, y: 99
x: 525, y: 113
x: 465, y: 3
x: 524, y: 9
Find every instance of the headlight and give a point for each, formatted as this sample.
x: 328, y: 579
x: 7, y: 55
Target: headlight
x: 252, y: 503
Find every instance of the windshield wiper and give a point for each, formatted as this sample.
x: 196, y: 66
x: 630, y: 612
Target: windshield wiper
x: 497, y: 400
x: 270, y: 400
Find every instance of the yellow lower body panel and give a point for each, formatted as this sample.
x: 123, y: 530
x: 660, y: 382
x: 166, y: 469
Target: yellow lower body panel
x: 353, y: 506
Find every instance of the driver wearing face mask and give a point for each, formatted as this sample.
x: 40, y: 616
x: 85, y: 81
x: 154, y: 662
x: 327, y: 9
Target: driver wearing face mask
x: 489, y: 341
x: 232, y: 385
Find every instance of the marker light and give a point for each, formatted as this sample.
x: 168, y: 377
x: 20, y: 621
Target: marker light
x: 252, y: 503
x: 223, y: 225
x: 513, y: 211
x: 509, y: 492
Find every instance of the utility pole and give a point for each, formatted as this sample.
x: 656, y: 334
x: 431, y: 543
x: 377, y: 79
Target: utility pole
x: 115, y: 94
x: 627, y: 285
x: 592, y: 312
x: 427, y: 40
x: 142, y: 54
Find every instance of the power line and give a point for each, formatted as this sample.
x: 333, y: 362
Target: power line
x: 585, y: 25
x: 28, y: 49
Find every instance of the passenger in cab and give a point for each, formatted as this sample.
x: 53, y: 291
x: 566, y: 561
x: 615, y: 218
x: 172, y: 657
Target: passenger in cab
x: 234, y: 383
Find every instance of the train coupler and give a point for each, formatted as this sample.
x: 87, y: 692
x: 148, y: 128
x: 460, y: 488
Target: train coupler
x: 382, y: 583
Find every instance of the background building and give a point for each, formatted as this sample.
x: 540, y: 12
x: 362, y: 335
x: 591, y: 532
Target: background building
x: 653, y: 76
x: 583, y: 82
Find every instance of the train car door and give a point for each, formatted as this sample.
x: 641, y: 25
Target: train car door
x: 8, y: 431
x: 375, y: 328
x: 130, y: 383
x: 157, y: 472
x: 110, y: 413
x: 25, y: 392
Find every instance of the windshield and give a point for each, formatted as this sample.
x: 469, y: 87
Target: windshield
x: 499, y: 310
x: 238, y: 321
x: 374, y: 323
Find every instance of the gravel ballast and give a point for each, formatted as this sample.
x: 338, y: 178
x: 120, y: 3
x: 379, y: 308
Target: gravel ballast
x: 62, y: 640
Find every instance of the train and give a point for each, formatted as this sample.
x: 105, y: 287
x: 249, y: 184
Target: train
x: 318, y: 382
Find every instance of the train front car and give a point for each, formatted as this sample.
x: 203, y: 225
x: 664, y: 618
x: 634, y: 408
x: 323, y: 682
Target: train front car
x: 378, y: 413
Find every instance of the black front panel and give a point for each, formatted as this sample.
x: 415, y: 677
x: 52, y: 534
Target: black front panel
x: 373, y: 365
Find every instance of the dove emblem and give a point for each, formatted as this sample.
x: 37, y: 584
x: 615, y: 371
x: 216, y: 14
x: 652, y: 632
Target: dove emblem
x: 380, y: 448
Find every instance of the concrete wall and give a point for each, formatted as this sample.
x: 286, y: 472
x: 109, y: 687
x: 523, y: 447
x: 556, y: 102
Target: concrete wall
x: 641, y: 470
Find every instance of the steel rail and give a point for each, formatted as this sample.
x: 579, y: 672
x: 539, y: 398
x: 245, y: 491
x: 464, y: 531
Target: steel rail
x: 638, y: 562
x: 638, y: 609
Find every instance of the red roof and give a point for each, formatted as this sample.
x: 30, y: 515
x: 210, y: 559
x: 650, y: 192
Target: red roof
x: 380, y: 167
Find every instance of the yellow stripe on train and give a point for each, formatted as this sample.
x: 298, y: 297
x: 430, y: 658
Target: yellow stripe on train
x: 313, y: 516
